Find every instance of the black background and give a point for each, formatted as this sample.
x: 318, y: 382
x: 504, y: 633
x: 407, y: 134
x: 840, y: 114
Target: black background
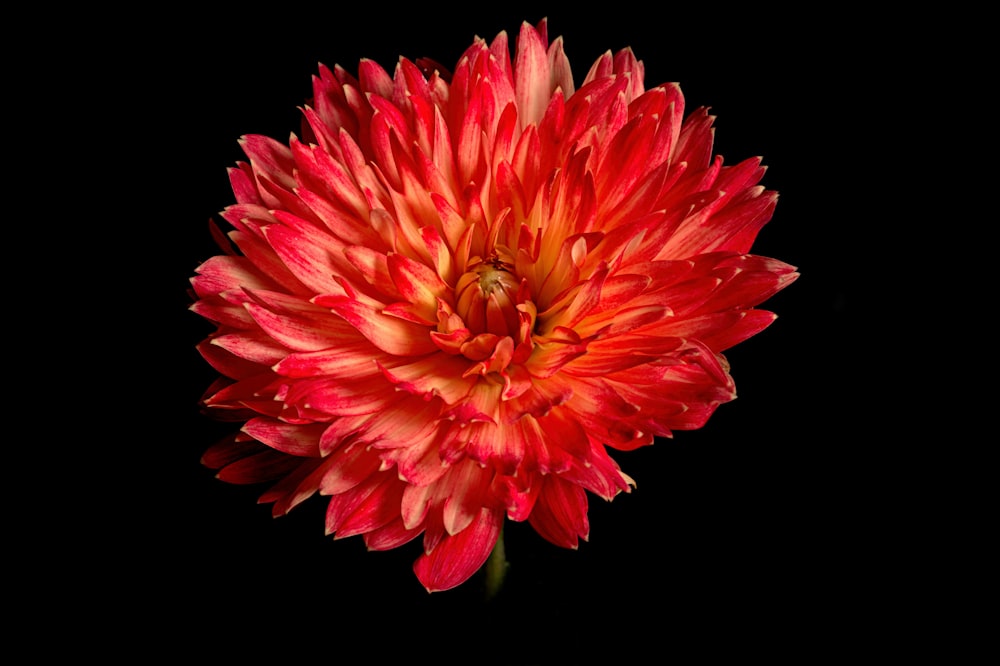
x: 746, y: 535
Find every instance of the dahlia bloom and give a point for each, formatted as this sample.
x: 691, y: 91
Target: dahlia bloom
x: 445, y: 301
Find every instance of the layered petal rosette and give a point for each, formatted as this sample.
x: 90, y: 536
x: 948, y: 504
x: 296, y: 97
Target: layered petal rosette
x: 445, y: 301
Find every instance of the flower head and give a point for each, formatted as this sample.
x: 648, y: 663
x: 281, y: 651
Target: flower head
x: 446, y: 300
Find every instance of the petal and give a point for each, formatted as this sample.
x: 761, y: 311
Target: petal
x: 296, y: 440
x: 369, y: 506
x: 311, y: 257
x: 348, y: 360
x: 222, y: 313
x: 225, y: 363
x: 456, y: 558
x: 466, y: 488
x: 301, y: 332
x: 561, y: 74
x: 254, y: 346
x: 334, y: 396
x: 417, y: 283
x: 531, y: 82
x: 389, y: 536
x: 390, y: 334
x: 560, y: 513
x: 436, y: 375
x: 266, y: 465
x: 347, y: 467
x: 224, y: 273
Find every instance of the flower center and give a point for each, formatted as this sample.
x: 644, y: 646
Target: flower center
x: 487, y: 299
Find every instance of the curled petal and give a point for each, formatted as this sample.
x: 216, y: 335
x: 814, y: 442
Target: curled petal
x: 457, y: 557
x: 560, y: 513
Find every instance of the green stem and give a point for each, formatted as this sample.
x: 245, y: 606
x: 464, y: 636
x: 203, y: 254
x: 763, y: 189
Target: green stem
x: 496, y: 568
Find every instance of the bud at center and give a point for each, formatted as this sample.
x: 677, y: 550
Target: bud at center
x: 487, y: 296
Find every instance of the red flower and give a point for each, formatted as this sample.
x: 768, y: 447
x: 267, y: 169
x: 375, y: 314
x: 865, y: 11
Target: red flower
x: 444, y: 302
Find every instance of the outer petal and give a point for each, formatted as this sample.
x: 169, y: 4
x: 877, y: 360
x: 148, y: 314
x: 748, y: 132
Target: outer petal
x: 292, y: 439
x: 365, y: 508
x: 531, y: 68
x: 457, y: 557
x: 560, y: 513
x: 389, y: 536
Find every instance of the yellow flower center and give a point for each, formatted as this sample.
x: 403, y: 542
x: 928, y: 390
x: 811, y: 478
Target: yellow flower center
x: 487, y: 299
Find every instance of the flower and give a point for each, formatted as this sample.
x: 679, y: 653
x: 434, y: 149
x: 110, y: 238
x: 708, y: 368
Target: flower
x: 445, y: 302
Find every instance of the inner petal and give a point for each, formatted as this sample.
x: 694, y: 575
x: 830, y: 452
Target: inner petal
x: 487, y: 299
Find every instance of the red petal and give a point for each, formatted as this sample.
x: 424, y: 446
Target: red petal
x: 230, y: 449
x: 296, y: 440
x: 267, y: 465
x: 391, y: 535
x: 349, y: 360
x: 224, y: 273
x: 560, y: 513
x: 225, y: 362
x: 222, y: 313
x: 438, y: 375
x: 312, y: 257
x: 531, y: 67
x: 301, y: 332
x: 418, y: 284
x: 457, y: 557
x: 347, y: 467
x: 253, y: 346
x: 390, y: 334
x: 368, y: 506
